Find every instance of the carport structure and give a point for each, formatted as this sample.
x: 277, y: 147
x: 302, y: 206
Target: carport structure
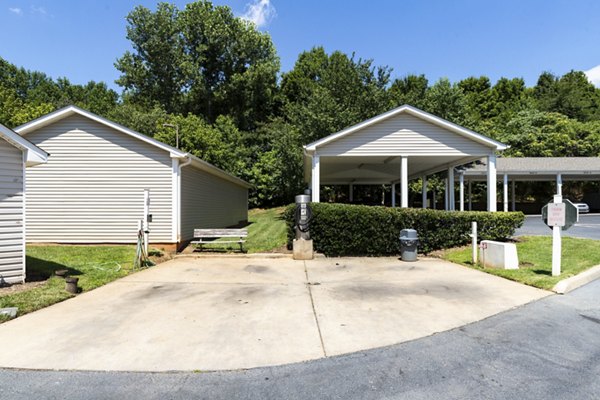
x: 392, y: 148
x: 534, y: 169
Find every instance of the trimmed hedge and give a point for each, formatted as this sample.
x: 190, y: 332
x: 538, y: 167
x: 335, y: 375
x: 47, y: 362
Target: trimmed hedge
x: 355, y: 230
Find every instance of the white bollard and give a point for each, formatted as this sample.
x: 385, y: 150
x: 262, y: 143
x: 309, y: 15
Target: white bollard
x: 474, y: 241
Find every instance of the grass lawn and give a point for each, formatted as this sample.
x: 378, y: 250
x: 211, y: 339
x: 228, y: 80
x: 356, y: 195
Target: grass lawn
x: 535, y: 259
x: 267, y: 230
x: 93, y: 265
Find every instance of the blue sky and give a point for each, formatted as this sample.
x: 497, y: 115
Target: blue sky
x: 455, y: 39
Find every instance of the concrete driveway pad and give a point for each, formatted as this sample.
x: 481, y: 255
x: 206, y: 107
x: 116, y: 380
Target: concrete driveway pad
x: 365, y: 303
x: 215, y: 313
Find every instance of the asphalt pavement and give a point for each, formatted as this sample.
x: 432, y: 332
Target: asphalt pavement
x: 587, y: 227
x: 548, y: 349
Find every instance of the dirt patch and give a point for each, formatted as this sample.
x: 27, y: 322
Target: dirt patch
x: 160, y: 257
x: 20, y: 287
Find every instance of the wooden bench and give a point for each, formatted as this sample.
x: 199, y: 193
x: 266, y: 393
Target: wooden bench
x: 200, y: 236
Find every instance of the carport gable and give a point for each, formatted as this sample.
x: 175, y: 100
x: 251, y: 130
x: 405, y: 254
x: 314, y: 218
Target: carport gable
x: 372, y: 151
x: 407, y: 131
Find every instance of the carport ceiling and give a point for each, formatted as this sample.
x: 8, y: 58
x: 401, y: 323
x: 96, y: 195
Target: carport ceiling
x: 381, y: 169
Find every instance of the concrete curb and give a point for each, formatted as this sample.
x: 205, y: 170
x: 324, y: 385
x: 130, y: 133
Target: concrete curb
x: 566, y: 285
x: 238, y: 255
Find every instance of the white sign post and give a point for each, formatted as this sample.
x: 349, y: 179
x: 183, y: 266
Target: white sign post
x: 556, y: 219
x: 559, y: 215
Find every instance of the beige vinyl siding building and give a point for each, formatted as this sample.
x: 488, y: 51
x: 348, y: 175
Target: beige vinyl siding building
x: 223, y: 206
x: 392, y: 148
x: 15, y: 154
x: 92, y: 190
x: 405, y: 134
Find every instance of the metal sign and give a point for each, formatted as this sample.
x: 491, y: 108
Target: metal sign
x: 555, y: 218
x: 556, y: 214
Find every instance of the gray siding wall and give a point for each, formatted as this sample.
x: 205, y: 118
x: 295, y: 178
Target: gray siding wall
x: 12, y: 261
x: 92, y: 188
x: 209, y: 202
x: 405, y: 135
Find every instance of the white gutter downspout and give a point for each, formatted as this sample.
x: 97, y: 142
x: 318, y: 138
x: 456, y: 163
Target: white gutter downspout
x: 178, y: 222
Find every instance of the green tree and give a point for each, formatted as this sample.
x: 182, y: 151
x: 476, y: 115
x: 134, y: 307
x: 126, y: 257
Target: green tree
x: 535, y: 133
x: 478, y: 103
x: 93, y: 96
x: 572, y: 95
x: 325, y: 93
x: 277, y: 174
x: 36, y: 90
x: 545, y: 92
x: 409, y: 90
x: 15, y: 112
x: 201, y: 60
x: 195, y: 136
x: 446, y: 100
x: 141, y: 119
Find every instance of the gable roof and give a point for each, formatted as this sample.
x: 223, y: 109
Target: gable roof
x: 410, y: 110
x: 74, y: 110
x: 174, y: 152
x: 34, y: 155
x: 533, y: 165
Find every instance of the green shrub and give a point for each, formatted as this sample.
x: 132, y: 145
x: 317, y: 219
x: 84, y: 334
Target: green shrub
x: 354, y: 230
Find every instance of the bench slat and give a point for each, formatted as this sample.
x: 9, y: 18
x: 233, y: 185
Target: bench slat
x: 201, y: 234
x: 217, y: 241
x: 220, y: 232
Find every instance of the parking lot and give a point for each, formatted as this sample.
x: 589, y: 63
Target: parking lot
x: 588, y: 227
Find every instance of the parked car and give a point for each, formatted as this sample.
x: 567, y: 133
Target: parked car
x: 582, y: 207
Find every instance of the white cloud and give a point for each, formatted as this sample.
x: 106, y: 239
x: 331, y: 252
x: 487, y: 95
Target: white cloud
x: 260, y: 12
x: 594, y: 75
x: 15, y: 10
x: 38, y: 10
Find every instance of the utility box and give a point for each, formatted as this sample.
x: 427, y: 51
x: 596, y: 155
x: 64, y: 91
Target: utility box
x: 409, y: 241
x: 498, y: 255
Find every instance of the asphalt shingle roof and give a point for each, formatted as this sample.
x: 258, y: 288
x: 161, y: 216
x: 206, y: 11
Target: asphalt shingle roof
x: 541, y: 165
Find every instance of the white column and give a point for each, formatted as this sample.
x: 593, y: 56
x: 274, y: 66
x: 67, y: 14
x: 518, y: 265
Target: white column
x: 393, y: 194
x: 316, y: 175
x: 491, y: 182
x: 559, y: 184
x: 175, y: 217
x: 514, y: 204
x: 451, y: 200
x: 461, y: 177
x: 424, y: 191
x: 470, y: 198
x: 446, y: 194
x: 505, y: 193
x: 351, y: 193
x: 404, y: 182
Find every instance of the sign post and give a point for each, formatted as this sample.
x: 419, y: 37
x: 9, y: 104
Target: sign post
x: 556, y: 219
x: 559, y: 215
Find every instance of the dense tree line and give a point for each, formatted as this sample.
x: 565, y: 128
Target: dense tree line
x: 219, y: 79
